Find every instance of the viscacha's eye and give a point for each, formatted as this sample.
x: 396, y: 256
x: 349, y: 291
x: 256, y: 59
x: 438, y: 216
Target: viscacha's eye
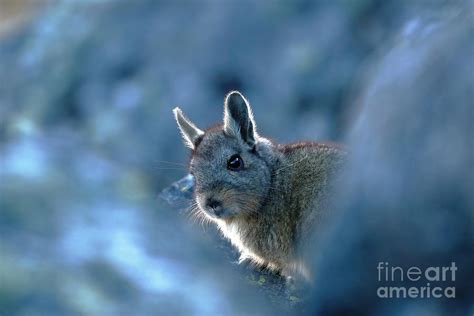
x: 235, y: 163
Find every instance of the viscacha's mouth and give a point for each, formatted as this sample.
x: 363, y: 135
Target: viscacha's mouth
x: 219, y: 212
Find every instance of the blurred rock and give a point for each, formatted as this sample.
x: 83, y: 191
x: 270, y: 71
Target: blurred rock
x: 179, y: 192
x: 408, y: 198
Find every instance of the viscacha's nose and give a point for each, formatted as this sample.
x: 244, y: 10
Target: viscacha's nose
x: 213, y: 203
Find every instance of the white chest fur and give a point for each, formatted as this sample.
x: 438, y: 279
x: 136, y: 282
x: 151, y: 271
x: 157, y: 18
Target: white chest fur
x: 235, y: 233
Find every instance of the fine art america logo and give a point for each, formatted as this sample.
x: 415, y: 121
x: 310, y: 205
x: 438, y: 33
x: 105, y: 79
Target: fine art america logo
x: 436, y: 282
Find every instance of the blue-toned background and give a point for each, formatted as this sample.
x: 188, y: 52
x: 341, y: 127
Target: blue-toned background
x: 87, y: 137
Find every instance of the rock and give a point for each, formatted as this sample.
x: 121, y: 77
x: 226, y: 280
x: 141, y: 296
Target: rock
x: 408, y: 196
x: 179, y: 192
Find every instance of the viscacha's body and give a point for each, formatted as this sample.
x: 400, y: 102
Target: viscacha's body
x: 267, y: 199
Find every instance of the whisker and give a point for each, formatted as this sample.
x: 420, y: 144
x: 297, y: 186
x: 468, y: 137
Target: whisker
x: 170, y: 168
x: 197, y: 215
x: 171, y: 163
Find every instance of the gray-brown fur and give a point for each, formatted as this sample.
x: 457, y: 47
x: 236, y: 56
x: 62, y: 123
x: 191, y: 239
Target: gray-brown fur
x: 270, y: 207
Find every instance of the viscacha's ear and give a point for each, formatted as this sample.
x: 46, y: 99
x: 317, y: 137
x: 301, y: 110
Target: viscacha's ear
x: 238, y: 118
x: 189, y: 131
